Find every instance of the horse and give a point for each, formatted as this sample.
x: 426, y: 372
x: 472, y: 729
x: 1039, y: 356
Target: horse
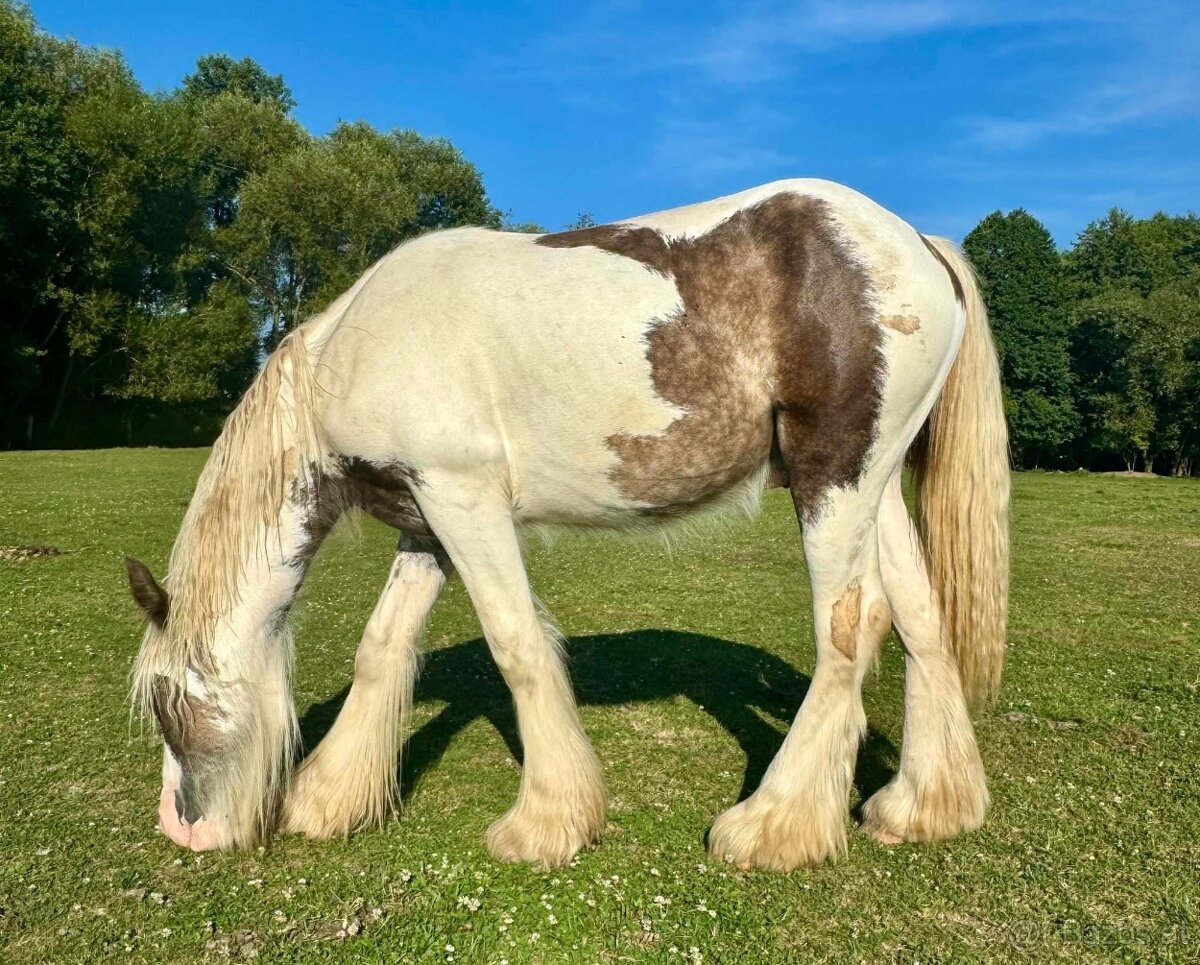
x: 474, y: 385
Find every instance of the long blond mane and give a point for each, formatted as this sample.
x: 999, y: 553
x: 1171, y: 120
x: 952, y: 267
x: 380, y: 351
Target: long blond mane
x: 271, y: 435
x: 271, y: 440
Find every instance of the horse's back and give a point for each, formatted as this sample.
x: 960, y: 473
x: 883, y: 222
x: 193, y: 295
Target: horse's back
x: 640, y: 367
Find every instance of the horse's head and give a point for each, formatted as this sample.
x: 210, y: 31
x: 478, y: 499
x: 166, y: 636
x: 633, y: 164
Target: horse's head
x: 220, y: 780
x: 196, y: 729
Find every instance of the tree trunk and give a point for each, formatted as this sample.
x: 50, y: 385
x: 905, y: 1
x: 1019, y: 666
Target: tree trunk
x: 62, y: 391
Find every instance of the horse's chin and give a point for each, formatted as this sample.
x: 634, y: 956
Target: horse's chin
x: 200, y: 835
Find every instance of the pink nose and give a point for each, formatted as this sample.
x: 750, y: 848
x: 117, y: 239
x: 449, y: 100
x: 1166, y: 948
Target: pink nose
x: 203, y: 835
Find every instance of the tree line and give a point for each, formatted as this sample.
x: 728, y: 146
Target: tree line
x: 1099, y: 345
x: 154, y: 245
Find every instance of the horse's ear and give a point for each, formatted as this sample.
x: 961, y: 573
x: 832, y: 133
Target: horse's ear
x: 149, y: 595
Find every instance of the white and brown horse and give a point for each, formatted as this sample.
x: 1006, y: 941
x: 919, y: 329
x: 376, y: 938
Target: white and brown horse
x: 473, y: 383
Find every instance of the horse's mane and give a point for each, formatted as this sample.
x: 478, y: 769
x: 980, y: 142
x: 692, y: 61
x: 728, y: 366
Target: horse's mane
x: 270, y: 436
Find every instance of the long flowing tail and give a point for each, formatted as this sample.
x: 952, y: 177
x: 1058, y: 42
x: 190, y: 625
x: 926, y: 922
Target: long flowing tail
x: 962, y: 495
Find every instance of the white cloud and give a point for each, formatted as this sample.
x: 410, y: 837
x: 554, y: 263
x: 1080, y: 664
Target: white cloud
x: 701, y: 150
x: 709, y: 83
x: 764, y: 41
x: 1155, y: 77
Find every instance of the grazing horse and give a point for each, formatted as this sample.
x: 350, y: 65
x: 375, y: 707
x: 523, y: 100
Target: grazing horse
x: 474, y: 383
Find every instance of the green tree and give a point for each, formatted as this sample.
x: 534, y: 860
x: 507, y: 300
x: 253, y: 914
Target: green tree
x: 218, y: 74
x: 107, y: 196
x: 1138, y: 336
x: 1023, y: 284
x: 151, y: 244
x: 1105, y: 257
x: 1136, y: 358
x: 315, y: 218
x: 38, y: 179
x: 1172, y: 351
x: 521, y: 227
x: 239, y: 136
x: 1119, y: 252
x: 1110, y: 334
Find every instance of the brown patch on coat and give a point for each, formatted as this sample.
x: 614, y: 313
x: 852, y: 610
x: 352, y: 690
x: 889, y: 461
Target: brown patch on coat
x: 188, y: 723
x: 843, y: 623
x: 904, y: 324
x: 385, y: 490
x: 191, y: 730
x: 776, y: 340
x: 958, y: 288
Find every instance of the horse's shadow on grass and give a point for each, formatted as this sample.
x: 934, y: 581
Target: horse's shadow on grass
x: 738, y: 685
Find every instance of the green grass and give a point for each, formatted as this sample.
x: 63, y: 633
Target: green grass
x: 689, y: 666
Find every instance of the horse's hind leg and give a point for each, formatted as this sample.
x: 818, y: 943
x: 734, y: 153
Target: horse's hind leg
x: 798, y: 814
x: 349, y: 781
x: 561, y: 804
x: 940, y: 789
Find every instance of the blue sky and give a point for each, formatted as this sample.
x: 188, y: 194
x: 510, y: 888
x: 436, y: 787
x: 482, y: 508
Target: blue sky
x: 939, y: 109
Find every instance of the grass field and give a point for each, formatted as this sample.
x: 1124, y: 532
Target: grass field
x: 689, y: 666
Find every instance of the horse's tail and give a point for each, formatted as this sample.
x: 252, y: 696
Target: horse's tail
x: 962, y: 494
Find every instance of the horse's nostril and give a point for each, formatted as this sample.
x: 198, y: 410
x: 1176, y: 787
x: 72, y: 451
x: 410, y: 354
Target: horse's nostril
x: 180, y: 806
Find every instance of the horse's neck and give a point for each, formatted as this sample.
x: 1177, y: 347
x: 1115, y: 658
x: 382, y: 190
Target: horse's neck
x: 254, y: 521
x: 271, y: 574
x: 244, y: 549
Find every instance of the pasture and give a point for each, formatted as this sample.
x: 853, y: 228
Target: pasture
x: 689, y: 665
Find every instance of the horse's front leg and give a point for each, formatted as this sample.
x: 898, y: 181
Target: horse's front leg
x: 349, y: 781
x: 561, y: 804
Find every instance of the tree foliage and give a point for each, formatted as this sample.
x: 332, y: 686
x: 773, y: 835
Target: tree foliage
x: 1099, y: 345
x: 314, y: 220
x: 151, y: 246
x: 1024, y: 285
x: 218, y: 74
